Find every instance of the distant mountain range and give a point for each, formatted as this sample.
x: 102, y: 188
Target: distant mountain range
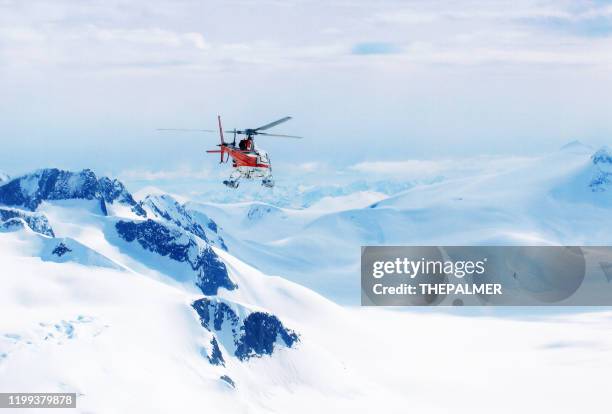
x: 560, y: 198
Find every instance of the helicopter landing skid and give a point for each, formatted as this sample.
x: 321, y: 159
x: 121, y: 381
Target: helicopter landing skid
x: 234, y: 179
x: 231, y: 183
x: 267, y: 182
x: 250, y: 173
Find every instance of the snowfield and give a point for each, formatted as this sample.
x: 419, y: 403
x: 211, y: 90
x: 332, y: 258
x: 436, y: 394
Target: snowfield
x: 561, y: 198
x: 159, y: 304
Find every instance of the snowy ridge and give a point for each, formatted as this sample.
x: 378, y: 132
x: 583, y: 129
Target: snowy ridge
x: 180, y: 246
x: 167, y: 208
x: 13, y: 218
x: 590, y: 182
x: 30, y: 190
x: 259, y: 211
x: 63, y: 250
x: 187, y: 243
x: 602, y: 174
x: 157, y: 236
x: 559, y: 198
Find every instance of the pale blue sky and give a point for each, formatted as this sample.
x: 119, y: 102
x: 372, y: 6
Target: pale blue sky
x: 85, y: 83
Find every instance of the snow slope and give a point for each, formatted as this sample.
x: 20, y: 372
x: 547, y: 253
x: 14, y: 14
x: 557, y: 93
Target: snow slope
x: 99, y: 331
x: 561, y: 198
x: 115, y: 302
x: 294, y: 191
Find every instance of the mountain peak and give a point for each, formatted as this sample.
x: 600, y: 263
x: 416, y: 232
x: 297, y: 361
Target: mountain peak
x: 165, y: 207
x: 602, y: 156
x: 602, y: 170
x: 576, y: 145
x: 30, y: 190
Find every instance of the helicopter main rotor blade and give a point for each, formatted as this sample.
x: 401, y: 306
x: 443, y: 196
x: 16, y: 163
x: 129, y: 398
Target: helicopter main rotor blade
x: 184, y: 130
x: 271, y: 124
x: 278, y: 135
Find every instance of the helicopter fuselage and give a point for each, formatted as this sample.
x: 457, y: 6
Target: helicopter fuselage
x: 248, y: 164
x: 246, y: 158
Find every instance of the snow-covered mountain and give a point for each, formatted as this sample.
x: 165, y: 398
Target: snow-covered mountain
x: 165, y: 207
x: 560, y: 198
x: 29, y: 191
x: 164, y: 236
x: 602, y: 170
x: 168, y: 304
x: 11, y: 218
x: 142, y: 296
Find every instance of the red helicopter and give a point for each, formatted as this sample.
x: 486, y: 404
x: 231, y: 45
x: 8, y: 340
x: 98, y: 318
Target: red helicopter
x: 248, y: 161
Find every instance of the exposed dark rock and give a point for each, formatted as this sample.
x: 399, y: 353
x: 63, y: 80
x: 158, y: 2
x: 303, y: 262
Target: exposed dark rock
x: 60, y: 250
x: 210, y: 272
x: 216, y: 357
x: 228, y: 380
x: 36, y: 222
x: 255, y: 336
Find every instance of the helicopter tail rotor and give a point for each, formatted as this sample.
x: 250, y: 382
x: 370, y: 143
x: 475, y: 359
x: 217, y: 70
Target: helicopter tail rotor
x: 220, y: 129
x: 222, y: 140
x: 221, y: 146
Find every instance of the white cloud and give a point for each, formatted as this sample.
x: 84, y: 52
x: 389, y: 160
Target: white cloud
x: 423, y: 12
x: 154, y: 36
x: 162, y: 175
x: 308, y: 166
x: 164, y: 36
x: 424, y: 169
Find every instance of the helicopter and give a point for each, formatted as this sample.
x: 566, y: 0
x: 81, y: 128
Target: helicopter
x: 248, y: 161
